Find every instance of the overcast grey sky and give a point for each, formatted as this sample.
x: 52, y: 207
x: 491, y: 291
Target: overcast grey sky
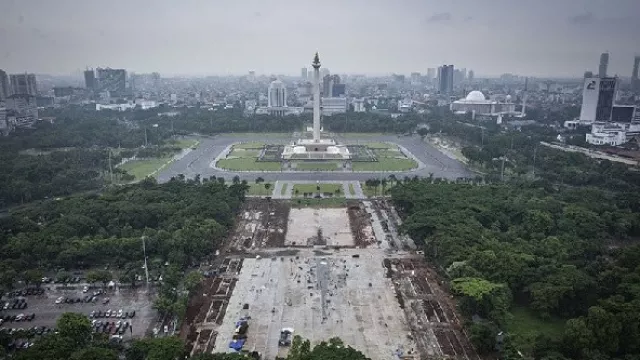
x: 538, y: 38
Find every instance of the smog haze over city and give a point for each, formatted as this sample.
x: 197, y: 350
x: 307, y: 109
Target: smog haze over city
x: 326, y: 179
x: 535, y: 38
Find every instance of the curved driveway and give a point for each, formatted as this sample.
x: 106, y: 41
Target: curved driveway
x: 199, y: 161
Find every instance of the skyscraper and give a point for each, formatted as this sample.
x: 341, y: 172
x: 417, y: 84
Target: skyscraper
x: 635, y: 82
x: 23, y: 84
x: 111, y: 80
x: 604, y: 63
x: 303, y: 73
x: 445, y: 79
x: 327, y: 86
x: 470, y: 75
x: 598, y: 96
x: 90, y: 79
x: 4, y: 85
x: 431, y: 74
x: 277, y: 96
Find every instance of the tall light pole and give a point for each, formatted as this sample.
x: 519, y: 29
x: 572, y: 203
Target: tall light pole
x: 146, y: 268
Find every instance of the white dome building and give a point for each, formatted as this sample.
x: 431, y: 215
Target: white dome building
x: 476, y: 103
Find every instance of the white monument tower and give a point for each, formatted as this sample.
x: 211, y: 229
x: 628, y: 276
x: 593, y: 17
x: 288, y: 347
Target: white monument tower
x: 316, y: 98
x: 316, y: 148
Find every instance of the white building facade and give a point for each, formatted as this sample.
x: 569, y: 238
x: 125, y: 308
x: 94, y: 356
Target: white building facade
x: 333, y: 105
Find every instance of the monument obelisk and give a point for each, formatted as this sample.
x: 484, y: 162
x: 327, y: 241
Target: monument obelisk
x: 316, y: 98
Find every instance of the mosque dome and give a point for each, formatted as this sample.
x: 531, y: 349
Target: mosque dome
x: 475, y: 96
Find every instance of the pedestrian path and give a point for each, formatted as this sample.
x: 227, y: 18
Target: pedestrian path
x: 288, y: 189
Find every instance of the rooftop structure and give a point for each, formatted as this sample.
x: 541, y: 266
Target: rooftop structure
x: 476, y: 103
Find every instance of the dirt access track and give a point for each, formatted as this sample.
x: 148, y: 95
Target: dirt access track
x: 342, y: 272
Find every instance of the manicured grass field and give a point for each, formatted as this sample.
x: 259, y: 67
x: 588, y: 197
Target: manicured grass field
x: 312, y: 188
x: 380, y: 145
x: 241, y: 153
x: 387, y: 153
x: 249, y: 145
x: 318, y: 166
x: 352, y: 190
x: 140, y: 169
x: 372, y: 191
x: 524, y: 326
x: 385, y: 164
x: 247, y: 164
x: 283, y: 190
x: 260, y: 189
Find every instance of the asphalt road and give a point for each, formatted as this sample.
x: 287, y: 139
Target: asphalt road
x: 199, y: 161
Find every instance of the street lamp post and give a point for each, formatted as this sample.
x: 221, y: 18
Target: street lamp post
x: 146, y: 268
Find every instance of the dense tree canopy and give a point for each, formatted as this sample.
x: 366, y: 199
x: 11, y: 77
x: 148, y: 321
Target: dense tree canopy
x: 182, y: 222
x: 568, y: 253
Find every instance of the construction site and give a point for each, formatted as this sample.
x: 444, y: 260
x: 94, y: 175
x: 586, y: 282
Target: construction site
x: 320, y: 273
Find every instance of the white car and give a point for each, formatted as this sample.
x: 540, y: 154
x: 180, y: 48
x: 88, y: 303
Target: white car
x: 119, y: 313
x: 59, y: 300
x: 108, y: 313
x: 85, y: 289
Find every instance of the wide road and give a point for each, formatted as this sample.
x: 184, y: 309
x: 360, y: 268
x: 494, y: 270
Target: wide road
x: 199, y: 161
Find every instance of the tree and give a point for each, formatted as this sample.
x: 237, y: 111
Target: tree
x: 33, y: 277
x: 483, y: 337
x: 267, y: 186
x: 76, y: 327
x: 103, y: 276
x: 94, y: 353
x: 164, y: 348
x: 192, y: 280
x: 422, y: 131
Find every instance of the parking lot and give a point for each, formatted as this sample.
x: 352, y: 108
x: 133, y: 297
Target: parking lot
x: 56, y: 300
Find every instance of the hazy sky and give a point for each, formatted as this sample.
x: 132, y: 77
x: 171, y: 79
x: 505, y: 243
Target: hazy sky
x: 539, y: 38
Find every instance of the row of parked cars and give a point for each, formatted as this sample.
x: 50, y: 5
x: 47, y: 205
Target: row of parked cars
x: 112, y: 314
x: 22, y: 338
x: 25, y: 292
x: 16, y: 318
x: 84, y: 299
x: 15, y: 304
x: 110, y: 327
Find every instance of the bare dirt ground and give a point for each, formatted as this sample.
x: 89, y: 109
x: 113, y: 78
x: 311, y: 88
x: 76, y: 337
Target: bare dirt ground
x: 377, y: 294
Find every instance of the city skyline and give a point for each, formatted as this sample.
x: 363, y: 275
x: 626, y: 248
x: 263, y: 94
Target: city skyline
x: 203, y: 40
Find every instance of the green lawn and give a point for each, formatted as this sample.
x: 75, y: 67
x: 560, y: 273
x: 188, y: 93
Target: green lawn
x: 312, y: 188
x: 357, y: 135
x: 283, y: 190
x: 371, y: 191
x: 352, y: 190
x: 388, y: 153
x: 525, y: 327
x: 385, y: 164
x: 140, y: 169
x: 250, y: 145
x: 317, y: 166
x: 242, y: 153
x: 247, y: 164
x: 259, y: 189
x: 380, y: 145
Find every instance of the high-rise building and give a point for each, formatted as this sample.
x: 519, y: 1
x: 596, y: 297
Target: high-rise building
x: 90, y: 79
x: 598, y: 97
x: 324, y: 72
x: 431, y: 74
x: 24, y: 106
x: 327, y: 86
x: 588, y: 74
x: 23, y: 84
x: 303, y: 73
x: 445, y: 79
x: 415, y: 78
x: 112, y: 80
x: 458, y: 77
x: 339, y: 90
x: 604, y: 63
x: 470, y: 75
x: 635, y: 81
x: 277, y: 96
x: 5, y: 88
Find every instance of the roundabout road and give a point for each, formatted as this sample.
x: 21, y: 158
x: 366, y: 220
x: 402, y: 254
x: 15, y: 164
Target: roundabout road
x: 198, y: 161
